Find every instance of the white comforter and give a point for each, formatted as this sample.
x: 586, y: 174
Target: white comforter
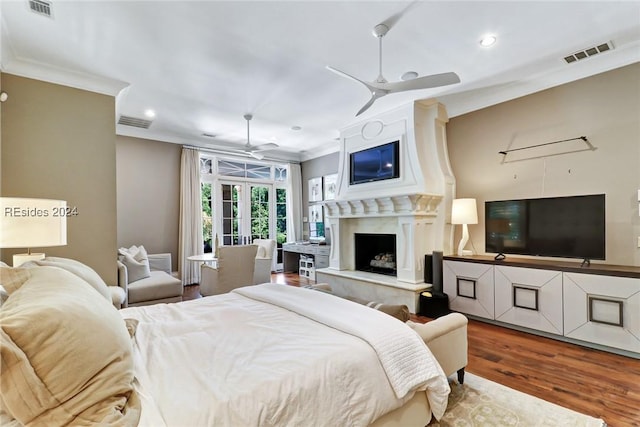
x: 236, y: 360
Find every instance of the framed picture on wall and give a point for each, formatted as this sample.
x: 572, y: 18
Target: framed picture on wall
x: 315, y: 213
x: 330, y: 183
x: 315, y: 189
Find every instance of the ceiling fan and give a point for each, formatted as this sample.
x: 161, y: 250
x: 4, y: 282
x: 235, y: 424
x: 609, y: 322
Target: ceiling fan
x: 255, y: 151
x: 381, y: 87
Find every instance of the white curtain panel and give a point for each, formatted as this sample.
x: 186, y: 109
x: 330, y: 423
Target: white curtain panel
x: 190, y: 216
x: 294, y: 203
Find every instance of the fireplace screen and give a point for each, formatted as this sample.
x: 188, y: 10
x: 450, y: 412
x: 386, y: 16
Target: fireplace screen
x: 376, y: 253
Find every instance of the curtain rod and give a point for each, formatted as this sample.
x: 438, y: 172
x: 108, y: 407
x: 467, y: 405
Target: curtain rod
x: 238, y: 155
x: 584, y: 138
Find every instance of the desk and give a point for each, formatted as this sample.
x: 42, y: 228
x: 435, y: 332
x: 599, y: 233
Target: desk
x: 205, y: 258
x: 291, y: 255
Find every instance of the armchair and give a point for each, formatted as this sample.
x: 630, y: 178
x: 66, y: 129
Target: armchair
x: 264, y: 260
x: 159, y: 287
x: 234, y: 269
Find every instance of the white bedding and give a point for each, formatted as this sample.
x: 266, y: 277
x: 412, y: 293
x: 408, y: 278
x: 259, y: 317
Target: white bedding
x: 231, y: 360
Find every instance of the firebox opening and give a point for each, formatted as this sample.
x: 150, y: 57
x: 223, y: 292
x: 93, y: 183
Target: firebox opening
x: 376, y: 253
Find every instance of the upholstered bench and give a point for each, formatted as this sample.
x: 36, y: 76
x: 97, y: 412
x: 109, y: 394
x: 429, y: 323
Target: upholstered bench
x: 445, y: 336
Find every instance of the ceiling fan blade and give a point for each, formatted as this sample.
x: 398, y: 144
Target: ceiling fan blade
x: 393, y: 19
x: 263, y: 147
x: 349, y: 76
x: 256, y: 156
x: 425, y: 82
x: 374, y: 95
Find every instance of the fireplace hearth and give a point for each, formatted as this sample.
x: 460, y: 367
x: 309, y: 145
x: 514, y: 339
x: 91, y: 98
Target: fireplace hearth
x: 376, y: 253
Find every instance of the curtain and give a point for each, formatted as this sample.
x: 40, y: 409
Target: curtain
x: 190, y: 216
x: 294, y: 202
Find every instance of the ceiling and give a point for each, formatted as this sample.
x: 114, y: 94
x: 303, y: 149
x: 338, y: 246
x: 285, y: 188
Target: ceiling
x: 202, y: 65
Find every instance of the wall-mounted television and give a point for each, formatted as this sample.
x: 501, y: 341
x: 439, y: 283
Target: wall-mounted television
x: 566, y: 227
x: 375, y: 163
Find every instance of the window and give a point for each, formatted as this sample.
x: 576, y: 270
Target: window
x: 207, y: 215
x: 243, y: 201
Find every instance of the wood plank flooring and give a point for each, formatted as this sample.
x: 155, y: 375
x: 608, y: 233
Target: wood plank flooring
x: 592, y: 382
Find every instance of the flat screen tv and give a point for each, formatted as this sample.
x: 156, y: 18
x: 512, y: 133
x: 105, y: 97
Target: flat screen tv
x: 375, y: 163
x: 566, y: 227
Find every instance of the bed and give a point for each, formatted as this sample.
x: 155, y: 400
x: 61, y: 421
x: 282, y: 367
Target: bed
x: 264, y: 355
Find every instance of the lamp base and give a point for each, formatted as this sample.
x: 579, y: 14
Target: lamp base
x: 19, y: 259
x: 467, y: 252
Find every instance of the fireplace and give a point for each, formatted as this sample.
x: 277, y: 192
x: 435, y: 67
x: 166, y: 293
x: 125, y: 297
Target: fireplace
x: 375, y: 253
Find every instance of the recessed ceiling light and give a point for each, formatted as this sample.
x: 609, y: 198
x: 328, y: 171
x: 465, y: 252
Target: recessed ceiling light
x: 487, y: 41
x: 296, y: 128
x: 149, y: 113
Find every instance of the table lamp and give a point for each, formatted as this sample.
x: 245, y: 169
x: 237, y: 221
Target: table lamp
x: 32, y: 223
x: 464, y: 211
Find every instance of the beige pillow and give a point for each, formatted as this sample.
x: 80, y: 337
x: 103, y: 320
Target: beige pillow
x: 66, y: 355
x: 81, y: 270
x: 137, y: 262
x: 399, y: 311
x: 11, y: 279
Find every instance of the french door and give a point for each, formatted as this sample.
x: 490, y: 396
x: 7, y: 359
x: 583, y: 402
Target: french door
x: 247, y: 212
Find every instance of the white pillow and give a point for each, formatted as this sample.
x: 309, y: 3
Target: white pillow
x: 137, y: 262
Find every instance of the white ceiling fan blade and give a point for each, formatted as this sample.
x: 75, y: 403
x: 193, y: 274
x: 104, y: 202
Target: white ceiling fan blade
x: 425, y: 82
x: 255, y: 155
x: 349, y: 76
x: 374, y: 95
x: 263, y: 147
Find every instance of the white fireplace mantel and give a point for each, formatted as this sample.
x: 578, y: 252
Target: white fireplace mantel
x: 411, y: 204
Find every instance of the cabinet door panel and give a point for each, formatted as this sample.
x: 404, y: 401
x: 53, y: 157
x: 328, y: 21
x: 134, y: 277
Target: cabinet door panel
x: 469, y: 287
x: 602, y: 309
x: 529, y: 297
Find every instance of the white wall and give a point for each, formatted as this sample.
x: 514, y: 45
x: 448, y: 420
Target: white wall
x: 605, y: 108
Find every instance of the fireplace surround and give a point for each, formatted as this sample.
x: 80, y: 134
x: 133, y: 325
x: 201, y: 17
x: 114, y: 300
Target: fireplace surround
x: 415, y: 207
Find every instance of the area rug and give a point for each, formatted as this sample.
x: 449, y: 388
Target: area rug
x: 483, y: 403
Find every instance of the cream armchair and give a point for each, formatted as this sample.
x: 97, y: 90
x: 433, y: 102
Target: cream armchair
x: 264, y: 260
x: 234, y: 269
x: 161, y: 286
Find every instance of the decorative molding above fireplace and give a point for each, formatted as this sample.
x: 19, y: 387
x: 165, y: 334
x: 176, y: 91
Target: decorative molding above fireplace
x: 412, y: 204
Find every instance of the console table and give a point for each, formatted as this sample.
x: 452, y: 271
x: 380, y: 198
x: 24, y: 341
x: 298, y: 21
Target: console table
x: 292, y: 251
x: 595, y: 306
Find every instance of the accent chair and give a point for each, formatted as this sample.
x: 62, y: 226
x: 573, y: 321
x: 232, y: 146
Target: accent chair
x: 234, y: 269
x: 264, y: 260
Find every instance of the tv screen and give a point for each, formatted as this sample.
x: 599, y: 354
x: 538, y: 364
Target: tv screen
x: 566, y: 227
x: 375, y: 163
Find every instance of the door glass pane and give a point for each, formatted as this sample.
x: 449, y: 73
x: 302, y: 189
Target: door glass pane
x: 259, y: 212
x: 231, y: 213
x: 207, y: 215
x: 281, y: 220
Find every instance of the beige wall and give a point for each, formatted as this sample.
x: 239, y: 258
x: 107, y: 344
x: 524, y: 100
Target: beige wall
x: 148, y: 183
x: 59, y: 143
x: 605, y: 108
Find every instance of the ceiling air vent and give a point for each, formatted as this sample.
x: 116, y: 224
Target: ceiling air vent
x: 588, y: 52
x: 134, y: 121
x: 40, y: 7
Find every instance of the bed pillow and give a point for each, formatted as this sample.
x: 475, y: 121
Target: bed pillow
x: 137, y: 262
x: 81, y: 270
x: 66, y: 354
x: 399, y: 311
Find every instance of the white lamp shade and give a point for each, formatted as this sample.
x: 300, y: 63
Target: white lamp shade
x: 464, y: 211
x: 32, y: 223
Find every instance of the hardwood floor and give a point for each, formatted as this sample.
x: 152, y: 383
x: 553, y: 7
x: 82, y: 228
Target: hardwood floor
x: 592, y: 382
